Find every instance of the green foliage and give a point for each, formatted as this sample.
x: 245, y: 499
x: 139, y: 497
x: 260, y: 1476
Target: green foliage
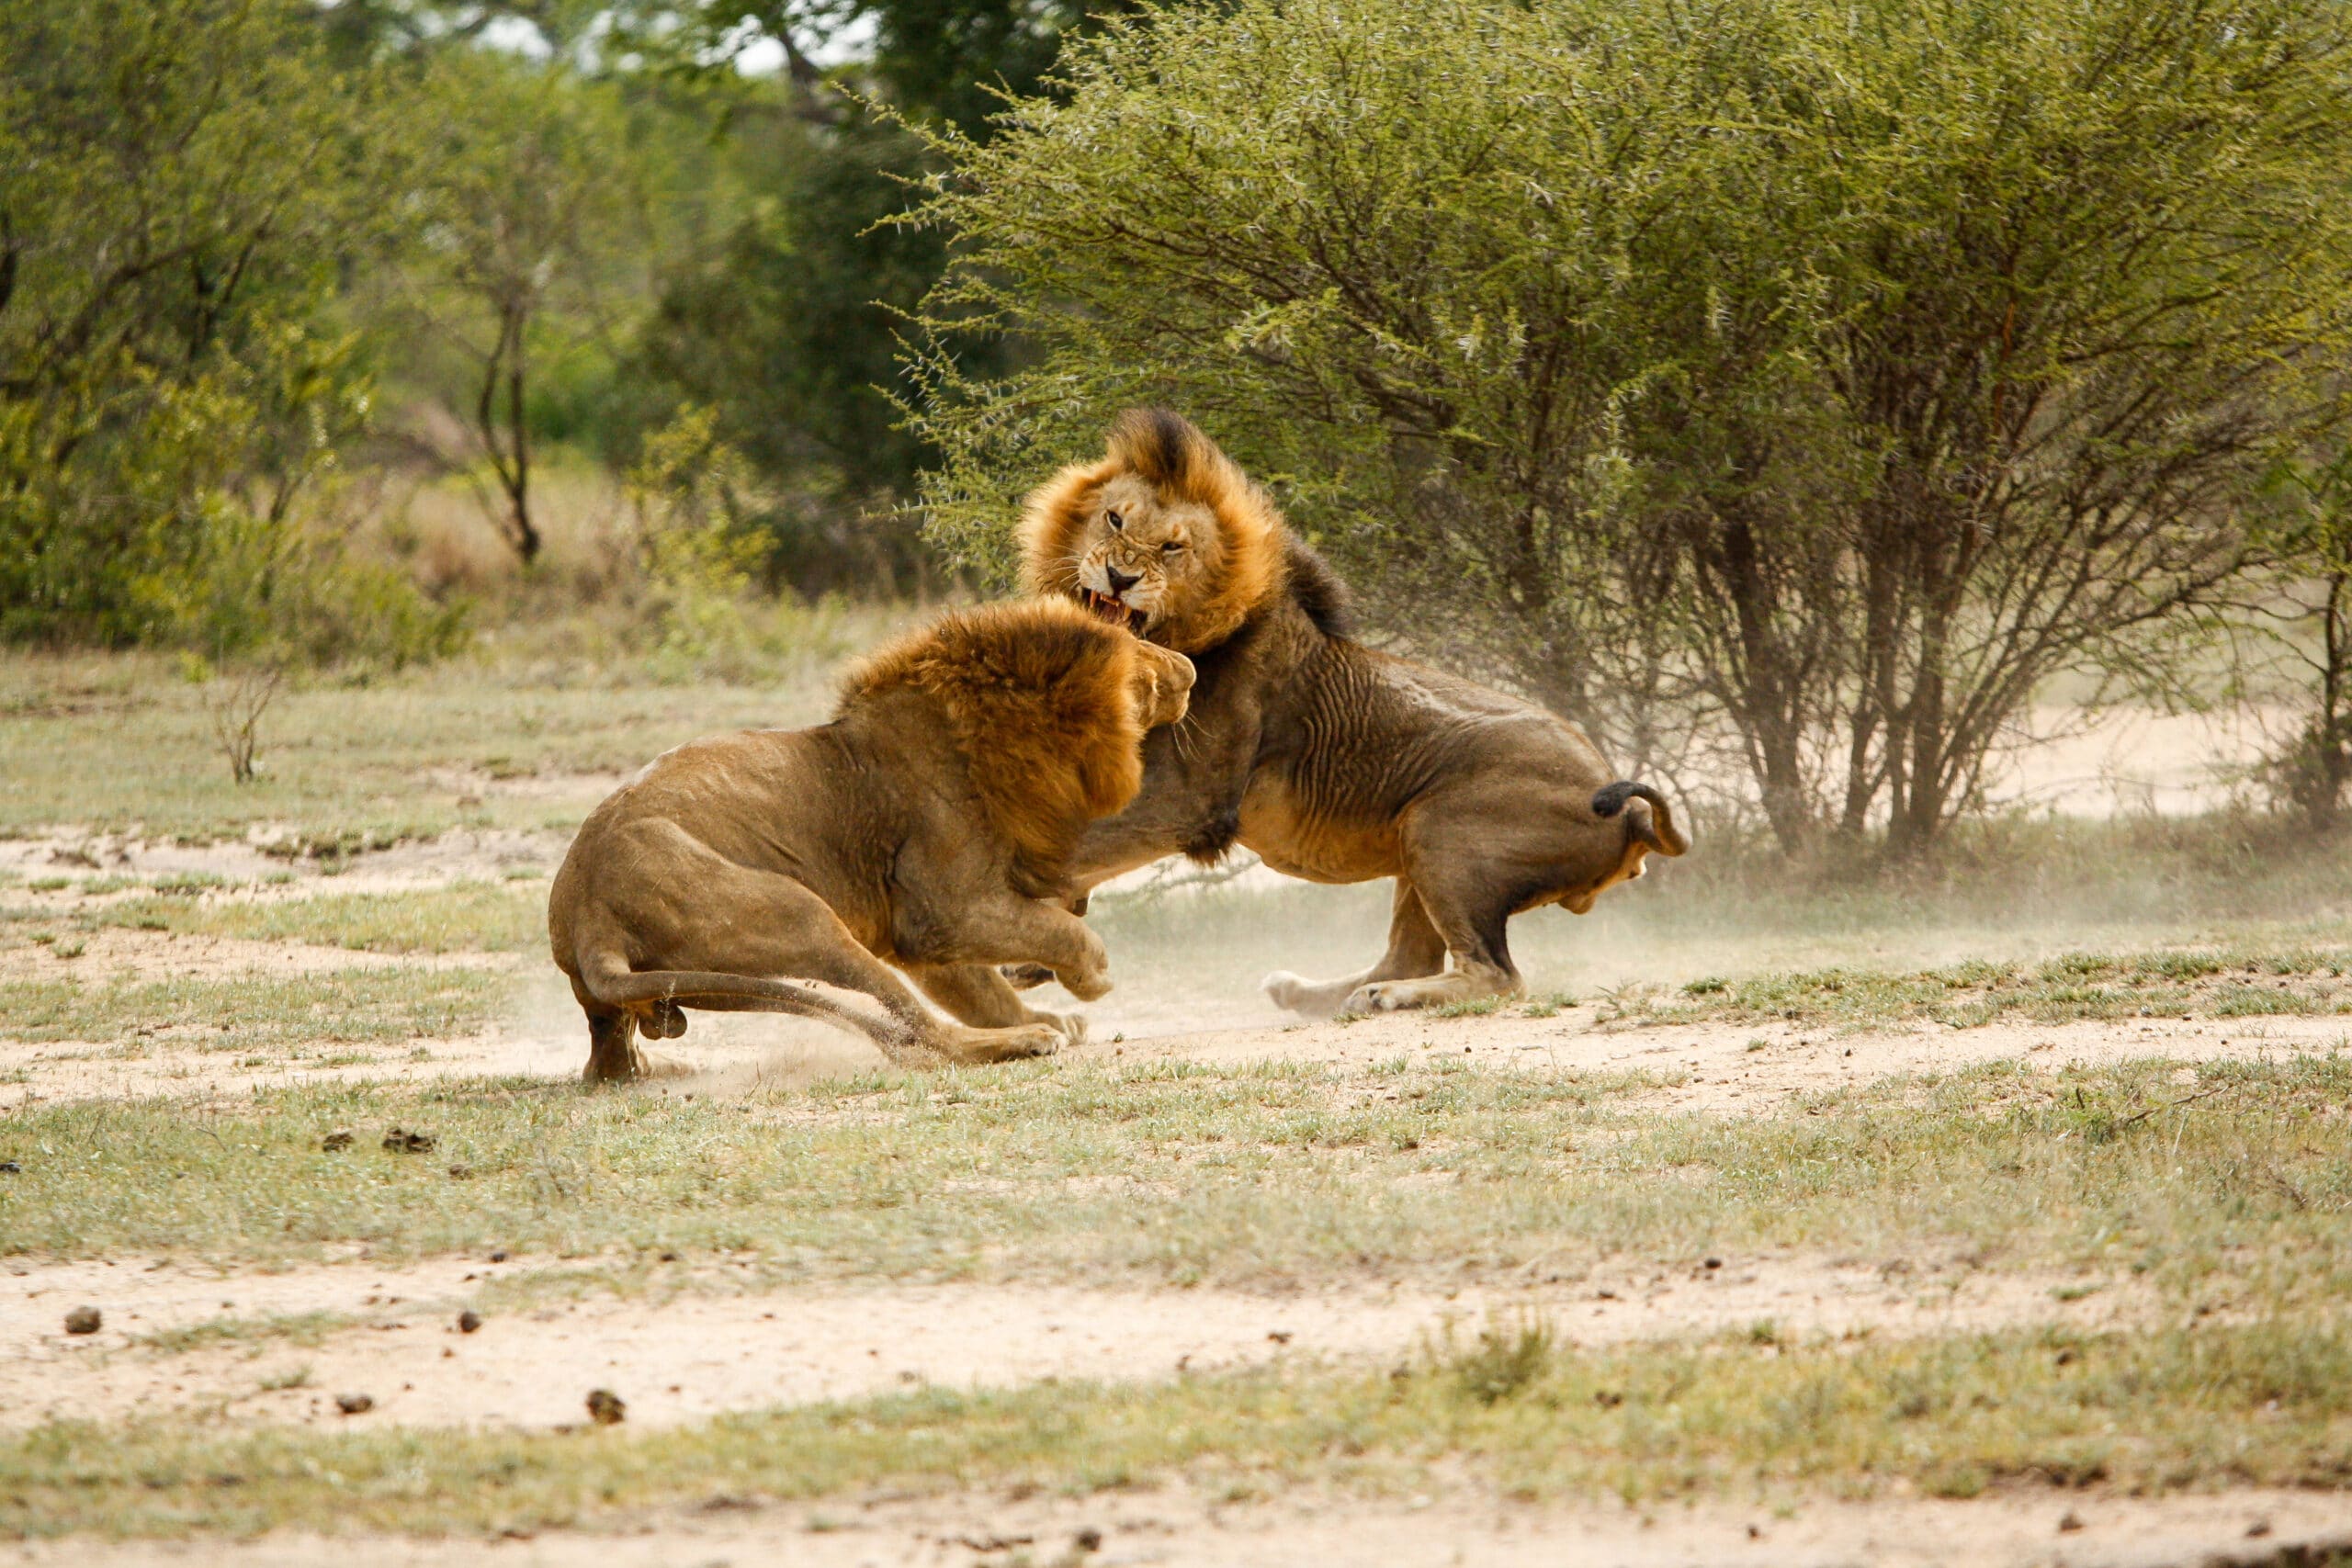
x: 176, y: 188
x: 1811, y: 382
x: 788, y: 327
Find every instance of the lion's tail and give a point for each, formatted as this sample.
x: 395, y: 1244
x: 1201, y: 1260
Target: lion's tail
x: 1654, y: 824
x: 615, y: 986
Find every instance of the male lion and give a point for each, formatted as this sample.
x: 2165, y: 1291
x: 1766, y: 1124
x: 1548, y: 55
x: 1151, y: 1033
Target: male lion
x: 926, y: 826
x: 1334, y: 761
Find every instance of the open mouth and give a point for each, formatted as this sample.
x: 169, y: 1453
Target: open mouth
x: 1113, y: 611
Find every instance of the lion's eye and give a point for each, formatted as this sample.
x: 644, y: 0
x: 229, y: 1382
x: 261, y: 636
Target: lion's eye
x: 1115, y: 521
x: 1172, y: 546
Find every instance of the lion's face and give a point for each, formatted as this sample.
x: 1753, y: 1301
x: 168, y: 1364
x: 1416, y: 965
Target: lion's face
x: 1164, y: 536
x: 1141, y: 557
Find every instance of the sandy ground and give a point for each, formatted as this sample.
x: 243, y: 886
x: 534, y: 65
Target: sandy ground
x: 1453, y: 1523
x: 1733, y: 1068
x: 695, y: 1347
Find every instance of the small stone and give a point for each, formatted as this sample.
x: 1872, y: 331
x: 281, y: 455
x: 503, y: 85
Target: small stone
x: 2257, y: 1529
x: 461, y: 1172
x: 82, y: 1320
x: 10, y: 1168
x: 669, y: 1257
x: 2070, y: 1523
x: 1088, y: 1541
x: 335, y: 1142
x: 605, y: 1407
x: 1279, y: 1335
x: 468, y: 1321
x: 1714, y: 1262
x: 354, y: 1404
x: 406, y: 1142
x: 499, y: 1257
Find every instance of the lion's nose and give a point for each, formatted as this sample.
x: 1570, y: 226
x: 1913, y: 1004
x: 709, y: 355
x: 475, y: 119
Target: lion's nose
x: 1120, y: 581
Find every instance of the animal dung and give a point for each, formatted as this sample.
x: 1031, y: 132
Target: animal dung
x: 406, y: 1143
x: 605, y: 1407
x: 334, y: 1143
x: 354, y: 1404
x: 82, y: 1320
x: 468, y: 1321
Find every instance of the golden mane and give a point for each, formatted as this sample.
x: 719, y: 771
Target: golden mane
x: 1040, y: 697
x: 1167, y: 452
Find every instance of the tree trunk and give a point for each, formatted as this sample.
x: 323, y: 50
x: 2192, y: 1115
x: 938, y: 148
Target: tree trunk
x: 510, y: 459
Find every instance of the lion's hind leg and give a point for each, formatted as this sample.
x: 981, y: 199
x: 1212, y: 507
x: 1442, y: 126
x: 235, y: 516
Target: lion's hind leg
x: 1468, y: 912
x: 614, y: 1055
x: 1415, y: 949
x: 735, y: 945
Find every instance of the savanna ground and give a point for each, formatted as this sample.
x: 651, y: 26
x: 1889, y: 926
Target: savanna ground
x: 1996, y: 1214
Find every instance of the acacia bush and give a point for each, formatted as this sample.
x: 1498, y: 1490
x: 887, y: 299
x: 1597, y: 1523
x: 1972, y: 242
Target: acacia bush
x: 1807, y: 384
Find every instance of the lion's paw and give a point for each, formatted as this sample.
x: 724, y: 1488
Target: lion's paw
x: 640, y: 1066
x: 1090, y: 986
x: 1032, y: 1039
x: 1286, y: 990
x: 1381, y: 996
x: 1071, y: 1024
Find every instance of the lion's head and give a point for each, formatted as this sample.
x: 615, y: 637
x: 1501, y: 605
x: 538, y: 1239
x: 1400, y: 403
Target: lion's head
x: 1048, y: 703
x: 1165, y: 536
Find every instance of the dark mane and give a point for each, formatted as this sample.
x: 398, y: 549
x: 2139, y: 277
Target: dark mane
x: 1315, y: 588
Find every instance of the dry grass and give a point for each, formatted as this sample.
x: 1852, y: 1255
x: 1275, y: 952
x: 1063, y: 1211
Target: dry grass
x: 2234, y: 1194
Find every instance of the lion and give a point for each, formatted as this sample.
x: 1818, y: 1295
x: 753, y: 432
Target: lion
x: 927, y: 827
x: 1332, y: 760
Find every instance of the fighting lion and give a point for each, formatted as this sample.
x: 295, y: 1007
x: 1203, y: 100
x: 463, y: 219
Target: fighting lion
x: 1334, y: 761
x: 927, y: 827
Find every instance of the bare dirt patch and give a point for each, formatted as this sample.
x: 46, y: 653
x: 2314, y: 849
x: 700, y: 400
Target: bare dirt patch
x: 144, y: 1068
x: 119, y: 956
x: 176, y: 1339
x: 465, y: 855
x: 1184, y: 1525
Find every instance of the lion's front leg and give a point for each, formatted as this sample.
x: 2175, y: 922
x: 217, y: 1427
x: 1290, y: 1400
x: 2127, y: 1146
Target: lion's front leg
x: 976, y: 994
x: 1019, y: 930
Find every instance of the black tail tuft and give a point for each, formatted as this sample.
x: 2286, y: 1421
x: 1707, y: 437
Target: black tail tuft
x: 1609, y: 799
x: 1659, y: 831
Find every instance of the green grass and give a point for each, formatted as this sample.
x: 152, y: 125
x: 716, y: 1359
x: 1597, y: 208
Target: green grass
x: 2237, y: 981
x: 111, y: 743
x: 256, y: 1012
x: 1264, y: 1176
x: 2267, y: 1403
x: 466, y: 917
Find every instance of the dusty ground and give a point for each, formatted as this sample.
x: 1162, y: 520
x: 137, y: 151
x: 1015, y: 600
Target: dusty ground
x: 1454, y: 1523
x: 1720, y: 1068
x: 706, y: 1348
x: 682, y: 1354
